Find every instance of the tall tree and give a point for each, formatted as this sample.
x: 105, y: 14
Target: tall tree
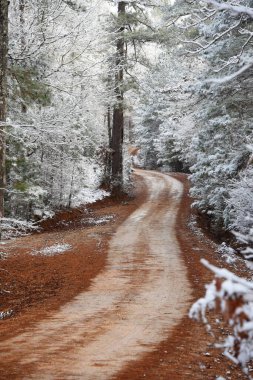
x: 3, y: 94
x: 118, y: 112
x: 133, y: 28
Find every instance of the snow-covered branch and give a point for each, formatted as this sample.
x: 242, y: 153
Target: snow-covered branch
x: 218, y: 37
x: 234, y: 9
x: 234, y: 297
x: 232, y: 76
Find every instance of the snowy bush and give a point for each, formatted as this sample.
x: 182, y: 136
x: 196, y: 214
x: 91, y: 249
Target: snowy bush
x: 240, y: 202
x: 89, y: 195
x: 11, y: 228
x: 56, y: 105
x: 233, y: 297
x: 220, y: 153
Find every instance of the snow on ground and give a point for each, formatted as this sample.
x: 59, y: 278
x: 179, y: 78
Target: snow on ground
x: 12, y: 228
x: 89, y: 195
x: 53, y: 250
x: 102, y: 220
x: 3, y: 255
x: 249, y: 264
x: 228, y: 253
x: 193, y: 225
x: 5, y: 314
x: 92, y: 221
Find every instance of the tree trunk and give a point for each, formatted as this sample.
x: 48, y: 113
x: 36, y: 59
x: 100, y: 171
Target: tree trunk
x: 108, y: 155
x: 118, y: 113
x: 3, y: 95
x: 22, y: 25
x: 22, y: 39
x: 109, y: 126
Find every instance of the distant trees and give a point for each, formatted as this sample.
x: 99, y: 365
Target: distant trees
x: 164, y: 122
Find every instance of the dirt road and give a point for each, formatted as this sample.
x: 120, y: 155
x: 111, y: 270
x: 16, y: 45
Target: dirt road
x: 129, y: 308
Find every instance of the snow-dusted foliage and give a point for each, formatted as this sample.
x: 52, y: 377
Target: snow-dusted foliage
x: 12, y: 228
x: 89, y: 195
x: 218, y: 150
x: 194, y: 110
x: 240, y: 202
x: 163, y: 118
x: 188, y: 107
x: 233, y: 297
x: 58, y: 98
x: 221, y: 156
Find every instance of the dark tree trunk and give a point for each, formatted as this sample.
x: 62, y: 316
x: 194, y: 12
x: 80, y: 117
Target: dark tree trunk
x: 3, y: 95
x: 118, y: 113
x: 22, y: 24
x: 22, y: 39
x: 109, y: 126
x: 108, y: 155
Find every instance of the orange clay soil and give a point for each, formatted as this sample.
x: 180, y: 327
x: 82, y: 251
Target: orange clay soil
x: 34, y: 285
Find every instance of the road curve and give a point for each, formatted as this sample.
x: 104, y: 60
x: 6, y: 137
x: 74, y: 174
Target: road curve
x: 130, y: 307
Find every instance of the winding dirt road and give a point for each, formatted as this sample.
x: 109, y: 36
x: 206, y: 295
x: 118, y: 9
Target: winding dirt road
x: 131, y: 306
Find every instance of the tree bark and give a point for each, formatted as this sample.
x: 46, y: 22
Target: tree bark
x: 22, y: 25
x: 3, y: 95
x: 108, y: 155
x: 22, y: 40
x: 118, y: 112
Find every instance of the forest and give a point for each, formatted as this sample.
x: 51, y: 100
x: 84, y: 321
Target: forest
x: 84, y: 83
